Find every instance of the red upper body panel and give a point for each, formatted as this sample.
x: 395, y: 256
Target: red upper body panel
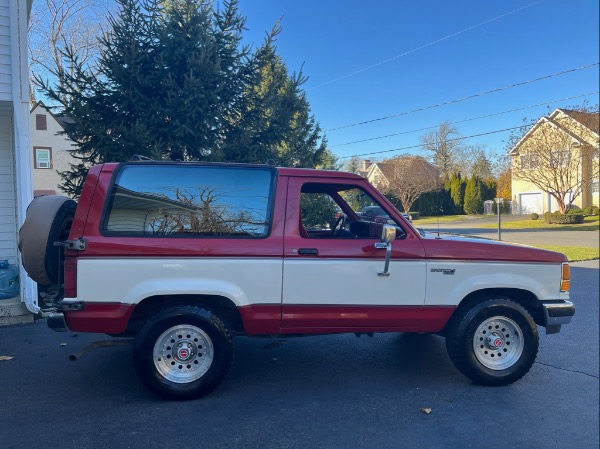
x: 284, y: 229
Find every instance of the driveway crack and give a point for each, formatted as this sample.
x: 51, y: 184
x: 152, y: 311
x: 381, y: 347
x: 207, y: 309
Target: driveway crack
x: 569, y: 370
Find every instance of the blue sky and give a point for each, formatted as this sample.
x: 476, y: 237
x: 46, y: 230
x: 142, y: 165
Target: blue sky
x: 333, y: 39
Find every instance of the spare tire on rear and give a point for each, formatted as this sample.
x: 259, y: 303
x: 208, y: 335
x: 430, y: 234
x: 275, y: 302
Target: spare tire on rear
x: 48, y: 220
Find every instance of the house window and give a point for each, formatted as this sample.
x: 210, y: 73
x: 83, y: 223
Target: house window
x: 596, y: 187
x: 375, y: 180
x: 43, y: 157
x: 560, y: 158
x: 530, y: 161
x: 40, y: 122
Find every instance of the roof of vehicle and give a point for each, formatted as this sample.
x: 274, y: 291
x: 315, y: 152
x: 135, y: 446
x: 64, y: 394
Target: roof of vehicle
x: 285, y: 171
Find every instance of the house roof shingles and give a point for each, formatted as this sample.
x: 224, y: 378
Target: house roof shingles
x: 590, y: 120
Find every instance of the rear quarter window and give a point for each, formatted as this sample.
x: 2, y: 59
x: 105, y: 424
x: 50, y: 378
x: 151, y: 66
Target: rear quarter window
x: 190, y: 200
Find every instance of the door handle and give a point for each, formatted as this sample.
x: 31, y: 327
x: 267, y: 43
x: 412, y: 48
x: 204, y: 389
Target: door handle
x: 308, y: 251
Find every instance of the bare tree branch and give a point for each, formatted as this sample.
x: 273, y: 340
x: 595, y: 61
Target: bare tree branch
x: 411, y: 177
x: 57, y: 24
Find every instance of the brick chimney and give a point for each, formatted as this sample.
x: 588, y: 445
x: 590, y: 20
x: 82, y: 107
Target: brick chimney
x: 365, y: 164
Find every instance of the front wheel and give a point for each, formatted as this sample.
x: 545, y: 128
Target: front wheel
x: 183, y: 352
x: 493, y: 343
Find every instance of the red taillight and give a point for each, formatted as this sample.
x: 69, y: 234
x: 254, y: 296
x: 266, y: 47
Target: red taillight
x: 70, y: 267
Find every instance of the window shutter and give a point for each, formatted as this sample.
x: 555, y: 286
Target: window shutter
x: 40, y: 122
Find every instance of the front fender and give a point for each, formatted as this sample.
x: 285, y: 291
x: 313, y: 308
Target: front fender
x: 448, y: 282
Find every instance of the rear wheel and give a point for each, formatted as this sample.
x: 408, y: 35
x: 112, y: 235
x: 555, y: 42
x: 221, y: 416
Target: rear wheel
x: 183, y: 352
x: 493, y: 343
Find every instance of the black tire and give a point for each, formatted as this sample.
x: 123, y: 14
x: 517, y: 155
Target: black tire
x: 495, y: 342
x: 48, y: 220
x: 162, y: 365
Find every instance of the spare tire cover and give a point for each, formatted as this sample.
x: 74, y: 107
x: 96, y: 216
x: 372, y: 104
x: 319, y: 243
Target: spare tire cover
x: 48, y: 220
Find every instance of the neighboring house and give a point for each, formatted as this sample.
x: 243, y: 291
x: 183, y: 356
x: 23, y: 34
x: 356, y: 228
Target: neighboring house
x: 380, y: 174
x: 571, y: 142
x: 377, y: 173
x: 50, y: 150
x: 16, y: 188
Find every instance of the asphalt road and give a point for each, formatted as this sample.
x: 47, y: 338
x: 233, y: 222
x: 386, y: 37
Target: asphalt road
x: 312, y: 392
x: 469, y: 226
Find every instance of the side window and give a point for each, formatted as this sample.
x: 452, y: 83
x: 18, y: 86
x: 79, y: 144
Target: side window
x: 318, y: 211
x: 190, y: 200
x: 340, y: 211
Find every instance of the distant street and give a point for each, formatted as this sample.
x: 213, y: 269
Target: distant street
x: 589, y: 239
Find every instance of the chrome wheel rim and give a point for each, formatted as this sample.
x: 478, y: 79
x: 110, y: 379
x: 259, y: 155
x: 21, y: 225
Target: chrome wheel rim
x: 498, y: 343
x: 183, y: 354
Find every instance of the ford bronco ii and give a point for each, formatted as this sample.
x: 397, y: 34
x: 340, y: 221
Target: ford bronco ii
x: 183, y: 257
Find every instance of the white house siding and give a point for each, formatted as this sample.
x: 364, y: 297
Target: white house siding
x: 5, y: 53
x: 8, y: 212
x: 15, y: 158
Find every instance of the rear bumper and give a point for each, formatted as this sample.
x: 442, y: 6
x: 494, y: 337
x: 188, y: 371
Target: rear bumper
x: 556, y: 314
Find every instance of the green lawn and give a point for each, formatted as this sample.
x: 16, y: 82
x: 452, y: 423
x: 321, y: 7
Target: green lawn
x: 589, y: 224
x: 574, y: 253
x: 441, y: 219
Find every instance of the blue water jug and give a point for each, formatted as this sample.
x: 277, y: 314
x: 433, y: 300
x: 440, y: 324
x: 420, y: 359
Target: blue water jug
x: 9, y: 280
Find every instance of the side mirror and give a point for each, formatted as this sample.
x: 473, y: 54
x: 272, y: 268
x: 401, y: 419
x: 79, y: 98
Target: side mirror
x: 388, y: 234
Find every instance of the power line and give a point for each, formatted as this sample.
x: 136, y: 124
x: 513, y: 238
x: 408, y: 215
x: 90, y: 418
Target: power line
x: 465, y: 120
x: 419, y: 146
x: 469, y: 97
x: 422, y: 46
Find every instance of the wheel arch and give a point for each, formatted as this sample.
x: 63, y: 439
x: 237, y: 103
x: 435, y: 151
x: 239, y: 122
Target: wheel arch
x: 525, y: 298
x: 150, y: 306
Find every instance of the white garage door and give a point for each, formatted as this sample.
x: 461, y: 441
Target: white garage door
x: 530, y: 203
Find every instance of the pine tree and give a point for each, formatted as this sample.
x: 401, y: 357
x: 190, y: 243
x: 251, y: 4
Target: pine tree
x: 174, y: 82
x: 273, y: 118
x: 105, y: 108
x: 168, y: 73
x: 474, y: 196
x: 201, y: 75
x: 457, y: 193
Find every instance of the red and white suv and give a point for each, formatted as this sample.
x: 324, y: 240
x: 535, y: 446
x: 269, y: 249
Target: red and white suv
x: 184, y: 256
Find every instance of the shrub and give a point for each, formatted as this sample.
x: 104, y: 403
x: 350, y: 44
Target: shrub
x: 474, y: 196
x: 595, y: 210
x: 588, y: 210
x: 534, y: 216
x: 575, y: 210
x: 574, y: 218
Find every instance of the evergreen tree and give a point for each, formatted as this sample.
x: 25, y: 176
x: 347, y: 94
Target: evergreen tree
x: 201, y: 75
x: 106, y: 107
x: 474, y: 196
x: 273, y: 119
x: 457, y: 193
x: 167, y: 77
x: 353, y: 165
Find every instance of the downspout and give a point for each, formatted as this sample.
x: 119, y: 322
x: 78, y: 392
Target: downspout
x: 23, y: 154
